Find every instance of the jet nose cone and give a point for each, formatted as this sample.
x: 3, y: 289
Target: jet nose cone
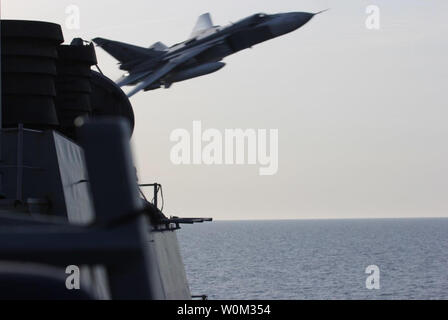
x: 299, y: 19
x: 288, y: 22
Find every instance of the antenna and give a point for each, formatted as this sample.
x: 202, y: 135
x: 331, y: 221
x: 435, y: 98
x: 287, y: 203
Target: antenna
x: 322, y: 11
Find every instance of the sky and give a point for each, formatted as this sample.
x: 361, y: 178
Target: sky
x: 361, y: 114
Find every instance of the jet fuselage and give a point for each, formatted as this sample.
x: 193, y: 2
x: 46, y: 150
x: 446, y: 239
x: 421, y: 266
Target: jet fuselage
x: 202, y: 53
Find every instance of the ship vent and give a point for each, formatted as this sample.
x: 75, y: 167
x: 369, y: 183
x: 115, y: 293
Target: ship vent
x: 73, y: 84
x: 29, y: 54
x: 47, y: 85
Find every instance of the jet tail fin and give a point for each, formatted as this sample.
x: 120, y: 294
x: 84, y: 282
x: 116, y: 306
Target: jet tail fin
x: 159, y: 46
x: 204, y: 22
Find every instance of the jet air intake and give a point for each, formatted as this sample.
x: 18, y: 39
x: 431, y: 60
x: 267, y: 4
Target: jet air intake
x: 197, y: 71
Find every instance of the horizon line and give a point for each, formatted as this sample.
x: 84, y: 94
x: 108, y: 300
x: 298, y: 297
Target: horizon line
x: 323, y: 219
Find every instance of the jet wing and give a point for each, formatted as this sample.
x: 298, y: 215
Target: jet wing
x: 168, y: 67
x: 128, y: 55
x: 123, y: 52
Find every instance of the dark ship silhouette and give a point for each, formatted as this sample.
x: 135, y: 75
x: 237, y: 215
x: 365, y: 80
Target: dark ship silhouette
x: 68, y: 188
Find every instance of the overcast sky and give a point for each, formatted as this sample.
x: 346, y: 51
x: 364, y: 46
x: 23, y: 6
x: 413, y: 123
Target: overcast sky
x: 362, y: 114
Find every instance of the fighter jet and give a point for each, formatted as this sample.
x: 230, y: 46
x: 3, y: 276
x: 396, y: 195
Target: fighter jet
x: 161, y: 66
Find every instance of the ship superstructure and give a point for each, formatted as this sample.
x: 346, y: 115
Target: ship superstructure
x: 69, y: 196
